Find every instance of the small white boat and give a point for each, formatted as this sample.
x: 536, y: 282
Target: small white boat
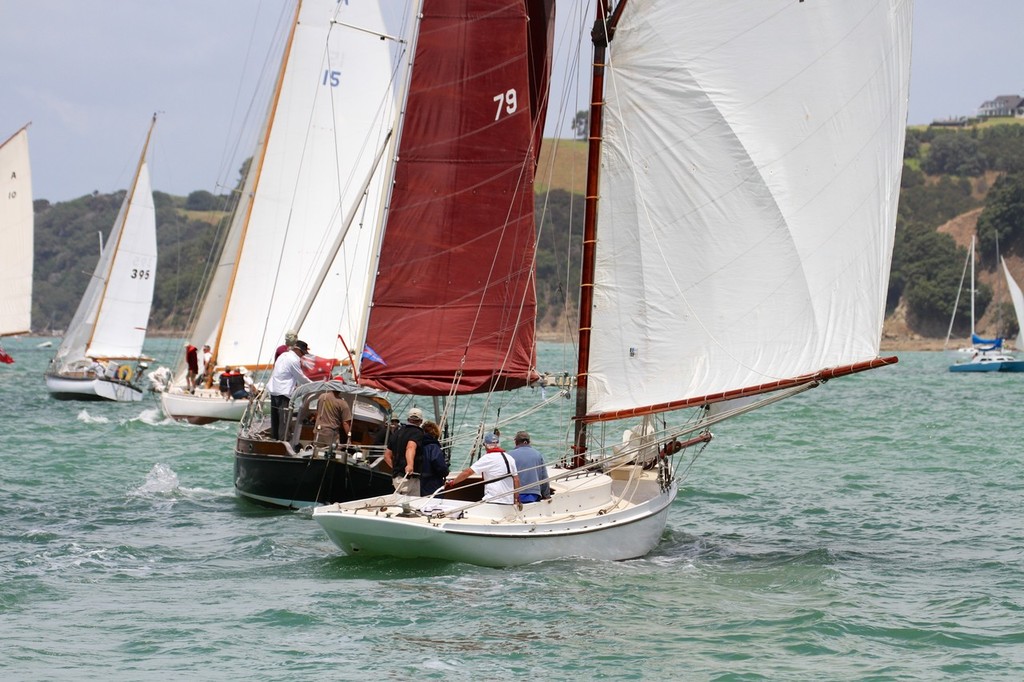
x: 100, y: 357
x: 205, y: 406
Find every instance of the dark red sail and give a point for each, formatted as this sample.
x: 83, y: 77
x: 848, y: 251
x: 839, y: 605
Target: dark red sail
x: 453, y: 307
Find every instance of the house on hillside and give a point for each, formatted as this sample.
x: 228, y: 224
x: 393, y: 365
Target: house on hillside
x: 1003, y: 106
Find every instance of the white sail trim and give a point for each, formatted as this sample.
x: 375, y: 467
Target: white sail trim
x: 335, y: 107
x: 16, y: 226
x: 1017, y: 296
x: 749, y: 183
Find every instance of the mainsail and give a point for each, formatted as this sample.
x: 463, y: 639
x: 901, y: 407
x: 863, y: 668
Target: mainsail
x: 314, y: 175
x: 453, y: 304
x: 748, y: 197
x: 111, y: 319
x: 16, y: 226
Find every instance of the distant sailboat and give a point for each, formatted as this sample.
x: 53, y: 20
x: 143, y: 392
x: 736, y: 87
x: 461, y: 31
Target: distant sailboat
x: 986, y: 355
x: 100, y: 357
x: 743, y: 177
x: 16, y: 228
x: 298, y: 254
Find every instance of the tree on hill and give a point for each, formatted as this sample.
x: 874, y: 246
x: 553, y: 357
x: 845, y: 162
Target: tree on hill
x: 954, y: 154
x: 559, y: 235
x: 1003, y: 148
x: 927, y: 273
x: 67, y: 247
x: 1002, y: 220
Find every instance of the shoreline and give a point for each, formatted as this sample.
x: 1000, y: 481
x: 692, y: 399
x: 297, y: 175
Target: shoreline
x: 915, y: 343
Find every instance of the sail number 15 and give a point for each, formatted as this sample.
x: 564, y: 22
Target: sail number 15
x: 507, y: 102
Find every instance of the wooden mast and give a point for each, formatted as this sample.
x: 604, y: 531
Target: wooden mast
x: 255, y: 184
x: 601, y: 34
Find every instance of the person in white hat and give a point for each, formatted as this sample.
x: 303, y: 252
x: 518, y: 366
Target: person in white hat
x: 403, y: 453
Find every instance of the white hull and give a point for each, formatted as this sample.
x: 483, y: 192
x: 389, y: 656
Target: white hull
x: 203, y: 407
x: 585, y: 518
x: 71, y: 388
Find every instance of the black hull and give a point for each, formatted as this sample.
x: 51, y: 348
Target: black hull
x: 296, y: 482
x: 79, y: 396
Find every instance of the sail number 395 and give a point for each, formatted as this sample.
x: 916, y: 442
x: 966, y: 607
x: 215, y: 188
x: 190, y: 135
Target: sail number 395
x: 140, y: 274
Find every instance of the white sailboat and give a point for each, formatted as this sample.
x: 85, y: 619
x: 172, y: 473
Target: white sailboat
x: 985, y: 355
x: 746, y: 157
x: 16, y: 227
x: 298, y: 253
x: 1017, y: 296
x: 100, y: 357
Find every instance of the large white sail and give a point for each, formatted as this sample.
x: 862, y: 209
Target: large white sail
x: 316, y: 168
x: 111, y: 318
x: 1017, y: 296
x: 748, y: 194
x: 16, y: 229
x: 123, y: 316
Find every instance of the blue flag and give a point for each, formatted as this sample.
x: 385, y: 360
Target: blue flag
x: 371, y: 354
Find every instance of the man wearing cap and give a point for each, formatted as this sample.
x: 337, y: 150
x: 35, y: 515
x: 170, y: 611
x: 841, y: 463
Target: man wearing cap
x: 290, y: 337
x: 402, y: 453
x: 533, y: 473
x: 498, y: 470
x: 286, y: 376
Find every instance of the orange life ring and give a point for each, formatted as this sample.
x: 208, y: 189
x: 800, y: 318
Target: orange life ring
x: 125, y: 373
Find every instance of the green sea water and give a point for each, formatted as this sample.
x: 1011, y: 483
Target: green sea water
x: 871, y: 528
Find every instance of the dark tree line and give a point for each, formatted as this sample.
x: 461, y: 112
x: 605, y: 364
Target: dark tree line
x: 941, y: 180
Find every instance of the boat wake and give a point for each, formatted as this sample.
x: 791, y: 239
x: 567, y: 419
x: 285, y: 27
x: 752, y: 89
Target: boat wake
x: 87, y: 418
x: 161, y: 479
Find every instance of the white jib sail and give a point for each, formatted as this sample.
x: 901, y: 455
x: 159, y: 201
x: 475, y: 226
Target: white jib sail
x: 123, y: 316
x: 749, y: 184
x: 16, y: 229
x: 94, y: 331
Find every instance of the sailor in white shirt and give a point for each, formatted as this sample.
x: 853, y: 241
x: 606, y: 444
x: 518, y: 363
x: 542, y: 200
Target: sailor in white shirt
x: 286, y: 376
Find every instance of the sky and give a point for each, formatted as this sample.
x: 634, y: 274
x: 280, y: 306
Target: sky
x: 89, y: 74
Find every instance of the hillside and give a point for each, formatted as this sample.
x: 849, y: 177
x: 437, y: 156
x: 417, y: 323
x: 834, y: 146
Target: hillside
x: 956, y: 182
